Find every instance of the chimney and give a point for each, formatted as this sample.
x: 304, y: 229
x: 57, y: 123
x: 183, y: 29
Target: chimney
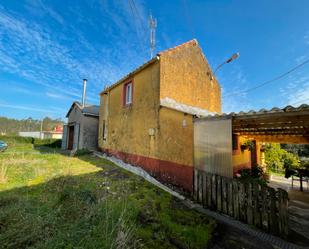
x: 84, y: 93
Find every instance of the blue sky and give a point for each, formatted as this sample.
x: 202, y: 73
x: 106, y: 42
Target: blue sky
x: 48, y: 47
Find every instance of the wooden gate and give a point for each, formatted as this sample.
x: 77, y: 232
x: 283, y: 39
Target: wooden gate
x: 263, y: 207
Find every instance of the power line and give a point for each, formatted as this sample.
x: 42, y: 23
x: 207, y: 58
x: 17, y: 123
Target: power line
x: 269, y: 81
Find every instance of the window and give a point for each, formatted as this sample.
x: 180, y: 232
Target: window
x: 103, y: 131
x: 128, y: 90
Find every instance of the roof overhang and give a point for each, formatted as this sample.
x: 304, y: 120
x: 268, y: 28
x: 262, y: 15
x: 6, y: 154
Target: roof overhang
x: 154, y: 59
x: 181, y: 107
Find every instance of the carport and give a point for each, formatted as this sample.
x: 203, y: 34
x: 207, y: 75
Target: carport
x: 213, y: 135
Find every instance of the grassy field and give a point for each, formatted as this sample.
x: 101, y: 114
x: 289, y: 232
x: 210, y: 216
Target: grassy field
x: 50, y: 200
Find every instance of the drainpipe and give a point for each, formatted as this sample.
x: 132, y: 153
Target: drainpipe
x: 84, y: 93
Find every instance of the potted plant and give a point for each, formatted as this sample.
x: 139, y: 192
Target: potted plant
x: 247, y: 145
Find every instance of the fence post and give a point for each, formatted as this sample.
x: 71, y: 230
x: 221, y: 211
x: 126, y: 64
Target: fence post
x: 213, y: 192
x: 204, y: 190
x: 242, y: 202
x: 283, y: 216
x: 208, y: 190
x: 249, y: 204
x: 265, y: 204
x: 195, y: 190
x: 200, y: 187
x: 257, y: 210
x: 273, y: 221
x: 230, y: 198
x: 219, y: 193
x: 224, y: 196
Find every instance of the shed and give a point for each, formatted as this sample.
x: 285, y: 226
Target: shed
x: 81, y: 130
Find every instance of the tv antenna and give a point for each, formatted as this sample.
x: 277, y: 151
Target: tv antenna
x: 152, y: 25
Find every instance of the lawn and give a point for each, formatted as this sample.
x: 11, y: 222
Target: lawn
x: 51, y: 200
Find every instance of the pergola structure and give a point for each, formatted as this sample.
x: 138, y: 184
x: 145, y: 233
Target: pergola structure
x: 213, y: 135
x: 286, y: 125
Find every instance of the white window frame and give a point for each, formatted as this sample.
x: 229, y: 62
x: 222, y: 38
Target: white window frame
x: 128, y: 91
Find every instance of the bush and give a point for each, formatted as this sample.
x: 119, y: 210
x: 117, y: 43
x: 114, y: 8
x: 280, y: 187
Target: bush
x: 49, y: 142
x: 253, y: 175
x: 17, y: 139
x: 82, y: 152
x: 53, y: 143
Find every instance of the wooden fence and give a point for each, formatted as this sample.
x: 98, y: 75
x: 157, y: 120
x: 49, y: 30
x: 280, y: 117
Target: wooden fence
x: 263, y: 207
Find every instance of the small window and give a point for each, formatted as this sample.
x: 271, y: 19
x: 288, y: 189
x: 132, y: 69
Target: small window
x: 128, y: 93
x: 235, y: 142
x: 103, y: 131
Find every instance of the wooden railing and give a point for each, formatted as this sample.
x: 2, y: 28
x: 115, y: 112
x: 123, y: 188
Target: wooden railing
x: 263, y: 207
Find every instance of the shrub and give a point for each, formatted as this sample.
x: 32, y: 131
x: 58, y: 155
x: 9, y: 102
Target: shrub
x: 82, y: 152
x: 49, y: 142
x: 253, y: 175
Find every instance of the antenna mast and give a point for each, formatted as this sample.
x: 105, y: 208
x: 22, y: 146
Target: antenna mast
x: 152, y: 25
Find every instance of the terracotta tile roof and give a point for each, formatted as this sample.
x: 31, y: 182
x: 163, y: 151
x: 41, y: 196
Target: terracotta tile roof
x: 191, y: 42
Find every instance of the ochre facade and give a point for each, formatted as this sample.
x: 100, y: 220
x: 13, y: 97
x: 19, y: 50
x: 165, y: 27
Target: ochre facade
x: 152, y: 136
x: 242, y: 159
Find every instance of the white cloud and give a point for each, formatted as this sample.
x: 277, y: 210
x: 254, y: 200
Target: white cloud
x: 34, y: 52
x: 29, y: 108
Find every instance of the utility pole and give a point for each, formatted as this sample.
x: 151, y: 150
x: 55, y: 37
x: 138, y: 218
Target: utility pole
x: 152, y: 25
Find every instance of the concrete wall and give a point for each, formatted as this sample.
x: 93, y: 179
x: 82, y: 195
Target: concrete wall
x: 88, y: 129
x: 185, y: 78
x: 89, y: 132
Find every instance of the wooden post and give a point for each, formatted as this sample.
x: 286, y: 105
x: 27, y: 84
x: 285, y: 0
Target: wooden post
x: 257, y: 210
x: 195, y: 191
x: 264, y: 211
x: 214, y: 192
x: 224, y: 196
x: 204, y: 189
x: 242, y: 202
x: 219, y: 193
x: 249, y: 204
x: 283, y: 215
x: 208, y: 190
x: 200, y: 187
x: 236, y: 199
x: 273, y: 221
x: 230, y: 198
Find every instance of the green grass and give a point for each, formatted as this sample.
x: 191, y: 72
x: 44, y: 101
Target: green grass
x: 50, y: 200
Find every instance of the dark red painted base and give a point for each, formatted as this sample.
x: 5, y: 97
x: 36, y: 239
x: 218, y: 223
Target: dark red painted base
x: 165, y: 171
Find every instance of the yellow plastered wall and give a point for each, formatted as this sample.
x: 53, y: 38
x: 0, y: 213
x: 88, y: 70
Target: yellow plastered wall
x: 129, y: 128
x: 185, y: 77
x: 175, y: 137
x: 241, y: 158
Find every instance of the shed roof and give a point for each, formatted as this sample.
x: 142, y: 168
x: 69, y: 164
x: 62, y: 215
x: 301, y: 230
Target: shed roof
x: 87, y: 110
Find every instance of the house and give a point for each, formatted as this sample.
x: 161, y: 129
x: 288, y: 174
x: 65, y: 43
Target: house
x: 146, y: 118
x: 54, y: 134
x: 81, y: 130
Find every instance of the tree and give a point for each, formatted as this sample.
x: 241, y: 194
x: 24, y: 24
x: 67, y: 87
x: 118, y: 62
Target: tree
x: 279, y: 159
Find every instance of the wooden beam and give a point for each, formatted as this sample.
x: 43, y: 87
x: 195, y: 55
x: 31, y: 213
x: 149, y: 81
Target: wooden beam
x: 280, y: 139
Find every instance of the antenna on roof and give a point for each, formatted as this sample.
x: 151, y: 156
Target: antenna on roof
x: 152, y: 25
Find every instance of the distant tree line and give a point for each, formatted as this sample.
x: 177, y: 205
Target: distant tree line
x: 11, y: 126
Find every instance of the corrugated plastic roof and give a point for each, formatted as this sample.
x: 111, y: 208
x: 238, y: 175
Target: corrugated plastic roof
x: 288, y: 108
